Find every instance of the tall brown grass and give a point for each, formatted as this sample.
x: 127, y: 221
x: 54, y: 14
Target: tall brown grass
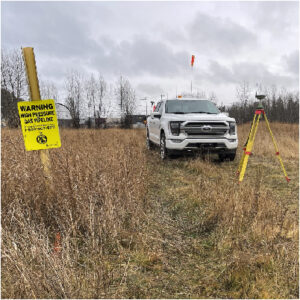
x: 97, y: 206
x: 101, y: 207
x: 286, y: 137
x: 255, y: 224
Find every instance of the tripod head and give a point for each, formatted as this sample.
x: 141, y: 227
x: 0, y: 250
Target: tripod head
x: 260, y: 98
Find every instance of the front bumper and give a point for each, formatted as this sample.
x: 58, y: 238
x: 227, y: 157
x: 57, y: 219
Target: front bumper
x: 216, y: 144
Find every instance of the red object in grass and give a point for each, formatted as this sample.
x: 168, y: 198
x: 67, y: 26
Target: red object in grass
x: 57, y: 246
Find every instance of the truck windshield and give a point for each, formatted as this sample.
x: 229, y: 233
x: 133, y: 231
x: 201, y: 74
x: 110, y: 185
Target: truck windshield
x: 191, y: 106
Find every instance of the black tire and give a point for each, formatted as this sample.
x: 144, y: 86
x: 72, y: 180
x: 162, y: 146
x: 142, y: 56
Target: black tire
x: 231, y: 156
x: 149, y: 144
x: 227, y: 156
x: 164, y: 153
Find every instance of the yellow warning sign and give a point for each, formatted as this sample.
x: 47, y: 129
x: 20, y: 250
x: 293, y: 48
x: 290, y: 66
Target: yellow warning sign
x: 39, y: 124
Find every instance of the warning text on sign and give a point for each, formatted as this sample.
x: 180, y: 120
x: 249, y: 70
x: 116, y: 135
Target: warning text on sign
x: 39, y: 124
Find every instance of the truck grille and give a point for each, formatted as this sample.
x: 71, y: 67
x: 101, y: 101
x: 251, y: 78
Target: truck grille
x: 206, y: 145
x: 205, y: 129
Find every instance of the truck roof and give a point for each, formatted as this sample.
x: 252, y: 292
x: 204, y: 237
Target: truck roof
x: 201, y: 99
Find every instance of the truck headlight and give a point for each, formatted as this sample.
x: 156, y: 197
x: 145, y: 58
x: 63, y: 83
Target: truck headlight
x: 175, y: 127
x: 232, y: 126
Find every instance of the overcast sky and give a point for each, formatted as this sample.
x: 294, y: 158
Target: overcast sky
x: 151, y: 43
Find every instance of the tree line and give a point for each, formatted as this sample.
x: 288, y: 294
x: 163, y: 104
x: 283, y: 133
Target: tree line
x: 93, y: 98
x: 279, y: 105
x: 84, y: 96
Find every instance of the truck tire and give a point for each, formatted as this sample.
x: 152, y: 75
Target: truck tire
x: 227, y: 155
x: 164, y: 153
x: 149, y: 144
x: 231, y: 156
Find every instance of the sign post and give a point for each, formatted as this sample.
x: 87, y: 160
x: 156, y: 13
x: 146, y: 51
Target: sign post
x: 34, y: 115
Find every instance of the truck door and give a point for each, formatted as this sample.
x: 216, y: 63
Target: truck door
x: 156, y: 123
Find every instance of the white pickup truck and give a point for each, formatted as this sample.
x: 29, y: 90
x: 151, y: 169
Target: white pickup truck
x: 191, y: 124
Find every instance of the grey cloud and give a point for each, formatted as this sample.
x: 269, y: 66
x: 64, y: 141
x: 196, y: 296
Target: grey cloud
x: 140, y: 56
x: 150, y: 89
x: 251, y: 72
x: 291, y: 62
x: 177, y: 36
x: 259, y: 73
x: 276, y: 17
x: 53, y: 28
x: 137, y: 41
x: 63, y: 37
x: 157, y: 58
x: 217, y: 35
x: 220, y: 74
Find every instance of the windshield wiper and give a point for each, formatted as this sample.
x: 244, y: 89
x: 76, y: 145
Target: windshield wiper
x: 202, y: 112
x: 177, y: 112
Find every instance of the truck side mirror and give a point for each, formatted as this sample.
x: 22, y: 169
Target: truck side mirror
x: 156, y: 115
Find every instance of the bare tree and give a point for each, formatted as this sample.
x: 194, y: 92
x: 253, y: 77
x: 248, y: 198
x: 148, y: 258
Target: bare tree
x: 102, y: 106
x: 101, y: 92
x: 197, y: 95
x: 74, y: 101
x: 127, y: 99
x: 95, y: 94
x: 91, y: 91
x: 243, y: 95
x: 13, y: 85
x: 213, y: 97
x: 280, y: 105
x: 48, y: 90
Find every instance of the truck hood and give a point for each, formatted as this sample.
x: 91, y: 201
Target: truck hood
x: 199, y: 117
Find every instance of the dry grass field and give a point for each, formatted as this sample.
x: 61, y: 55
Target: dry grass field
x: 132, y: 226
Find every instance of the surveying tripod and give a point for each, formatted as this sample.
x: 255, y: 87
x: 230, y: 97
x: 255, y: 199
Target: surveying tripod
x: 250, y: 141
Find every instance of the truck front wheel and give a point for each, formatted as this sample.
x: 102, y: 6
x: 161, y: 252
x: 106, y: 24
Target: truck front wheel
x: 149, y: 144
x: 227, y: 155
x: 164, y: 154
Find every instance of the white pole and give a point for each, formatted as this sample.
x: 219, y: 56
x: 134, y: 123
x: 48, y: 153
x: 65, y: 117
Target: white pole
x: 192, y: 80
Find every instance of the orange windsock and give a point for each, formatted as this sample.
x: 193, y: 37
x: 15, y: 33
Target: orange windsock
x: 192, y: 61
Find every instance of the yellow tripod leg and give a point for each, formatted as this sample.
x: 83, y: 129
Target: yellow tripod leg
x: 248, y: 150
x: 276, y: 148
x: 249, y: 138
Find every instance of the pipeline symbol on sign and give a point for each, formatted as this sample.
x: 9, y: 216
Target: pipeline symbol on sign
x: 41, y: 138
